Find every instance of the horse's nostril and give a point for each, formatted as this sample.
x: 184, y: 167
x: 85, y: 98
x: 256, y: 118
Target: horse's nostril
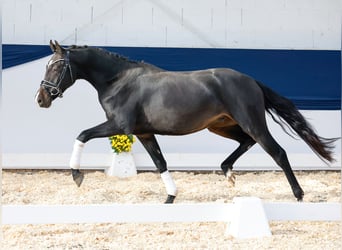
x: 39, y: 101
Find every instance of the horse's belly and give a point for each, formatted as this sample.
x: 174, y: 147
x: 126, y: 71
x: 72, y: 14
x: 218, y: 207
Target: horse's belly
x: 174, y: 123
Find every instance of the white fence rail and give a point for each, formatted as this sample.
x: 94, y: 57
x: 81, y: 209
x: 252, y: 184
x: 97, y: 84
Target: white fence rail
x: 209, y: 212
x: 248, y: 217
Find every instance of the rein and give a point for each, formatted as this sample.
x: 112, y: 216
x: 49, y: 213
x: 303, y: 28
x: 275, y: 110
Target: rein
x: 54, y: 88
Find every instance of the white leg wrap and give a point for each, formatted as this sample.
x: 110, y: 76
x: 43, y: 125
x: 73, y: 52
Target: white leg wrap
x: 169, y: 183
x: 76, y: 155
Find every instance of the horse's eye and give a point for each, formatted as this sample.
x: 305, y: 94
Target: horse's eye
x: 54, y: 91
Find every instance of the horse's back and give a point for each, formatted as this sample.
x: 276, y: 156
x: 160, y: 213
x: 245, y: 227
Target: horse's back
x: 184, y: 102
x: 231, y: 87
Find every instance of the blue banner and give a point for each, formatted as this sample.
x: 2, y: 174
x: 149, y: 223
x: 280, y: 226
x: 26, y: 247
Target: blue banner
x: 310, y: 78
x: 13, y: 55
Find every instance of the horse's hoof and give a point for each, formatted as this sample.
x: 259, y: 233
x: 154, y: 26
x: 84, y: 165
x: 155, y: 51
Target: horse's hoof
x: 77, y: 176
x: 300, y: 198
x: 170, y: 199
x: 231, y: 178
x: 299, y: 194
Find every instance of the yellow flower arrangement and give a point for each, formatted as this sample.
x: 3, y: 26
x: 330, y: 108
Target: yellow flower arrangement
x: 121, y: 143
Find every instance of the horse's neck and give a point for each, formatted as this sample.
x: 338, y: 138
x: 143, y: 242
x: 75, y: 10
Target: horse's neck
x: 100, y: 71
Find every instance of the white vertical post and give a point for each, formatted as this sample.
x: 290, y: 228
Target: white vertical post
x: 122, y: 166
x: 249, y: 219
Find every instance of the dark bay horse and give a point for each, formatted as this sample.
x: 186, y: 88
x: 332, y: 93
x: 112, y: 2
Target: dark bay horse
x: 144, y: 100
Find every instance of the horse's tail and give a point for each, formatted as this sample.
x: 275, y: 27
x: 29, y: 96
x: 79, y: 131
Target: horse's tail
x: 287, y: 111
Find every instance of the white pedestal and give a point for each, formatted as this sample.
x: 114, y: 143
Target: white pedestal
x: 123, y: 165
x: 249, y: 219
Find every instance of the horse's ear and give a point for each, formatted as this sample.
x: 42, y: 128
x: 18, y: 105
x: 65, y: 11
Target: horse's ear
x: 56, y: 48
x: 59, y: 48
x: 52, y: 46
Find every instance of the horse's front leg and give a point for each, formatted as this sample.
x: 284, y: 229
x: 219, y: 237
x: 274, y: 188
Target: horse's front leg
x: 151, y: 145
x: 75, y: 160
x: 105, y: 129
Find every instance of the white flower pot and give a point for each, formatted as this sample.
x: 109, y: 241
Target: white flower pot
x: 123, y: 165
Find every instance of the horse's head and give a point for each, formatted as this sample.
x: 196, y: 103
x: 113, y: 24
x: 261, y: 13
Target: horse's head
x: 58, y: 76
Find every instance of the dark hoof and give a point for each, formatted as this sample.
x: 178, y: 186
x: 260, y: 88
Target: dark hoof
x: 170, y: 199
x: 299, y: 194
x: 300, y: 199
x: 77, y: 176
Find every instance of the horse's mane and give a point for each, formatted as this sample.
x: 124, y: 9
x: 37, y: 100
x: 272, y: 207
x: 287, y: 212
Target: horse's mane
x: 104, y: 52
x: 78, y: 47
x: 113, y: 55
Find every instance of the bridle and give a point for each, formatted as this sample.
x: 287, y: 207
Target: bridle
x: 54, y: 88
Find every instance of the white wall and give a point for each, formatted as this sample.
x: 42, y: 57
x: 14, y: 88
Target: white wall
x: 31, y: 133
x: 288, y: 24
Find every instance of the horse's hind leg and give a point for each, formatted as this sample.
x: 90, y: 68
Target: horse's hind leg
x: 258, y: 130
x: 246, y: 142
x: 255, y: 126
x: 151, y: 145
x: 227, y: 164
x: 279, y: 155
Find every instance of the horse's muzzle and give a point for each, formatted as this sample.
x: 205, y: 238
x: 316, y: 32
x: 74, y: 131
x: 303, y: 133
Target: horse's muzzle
x: 43, y: 98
